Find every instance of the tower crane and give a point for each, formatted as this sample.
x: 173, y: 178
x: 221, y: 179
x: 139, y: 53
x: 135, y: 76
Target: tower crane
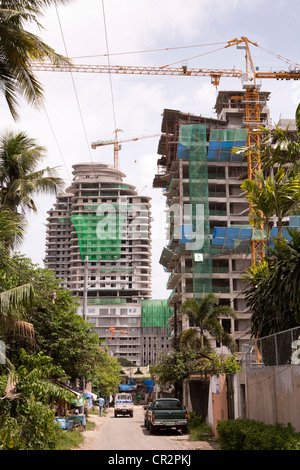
x: 250, y: 101
x: 116, y: 143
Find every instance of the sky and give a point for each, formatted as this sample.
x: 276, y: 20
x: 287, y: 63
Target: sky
x: 80, y: 108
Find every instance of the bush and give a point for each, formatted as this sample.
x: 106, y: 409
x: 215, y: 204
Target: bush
x: 193, y: 420
x: 249, y: 434
x: 198, y: 430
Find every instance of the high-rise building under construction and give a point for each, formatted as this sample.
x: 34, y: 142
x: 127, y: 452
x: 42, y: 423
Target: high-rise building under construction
x: 209, y: 235
x: 99, y: 241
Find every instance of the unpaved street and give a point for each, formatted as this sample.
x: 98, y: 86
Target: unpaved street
x: 125, y: 433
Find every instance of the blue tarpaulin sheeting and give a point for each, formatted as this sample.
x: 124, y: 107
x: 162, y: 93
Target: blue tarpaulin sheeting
x: 126, y: 388
x: 149, y: 384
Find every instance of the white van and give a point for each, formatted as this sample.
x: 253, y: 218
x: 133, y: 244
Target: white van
x: 123, y: 404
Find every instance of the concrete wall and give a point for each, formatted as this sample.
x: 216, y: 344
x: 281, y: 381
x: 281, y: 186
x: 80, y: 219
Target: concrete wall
x: 217, y: 404
x: 267, y: 394
x: 270, y: 394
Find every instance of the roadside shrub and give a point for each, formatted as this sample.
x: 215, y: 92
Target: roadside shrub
x: 249, y: 434
x: 193, y: 420
x: 198, y: 430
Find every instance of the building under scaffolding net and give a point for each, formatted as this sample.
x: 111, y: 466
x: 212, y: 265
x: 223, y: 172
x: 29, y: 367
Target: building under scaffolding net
x: 208, y: 244
x: 155, y: 329
x: 155, y: 313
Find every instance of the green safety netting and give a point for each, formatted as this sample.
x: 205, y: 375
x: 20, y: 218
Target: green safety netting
x: 165, y: 257
x: 155, y: 313
x: 99, y: 236
x: 192, y: 143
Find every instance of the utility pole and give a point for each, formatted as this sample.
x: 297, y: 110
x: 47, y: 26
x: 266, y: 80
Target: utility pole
x: 85, y: 288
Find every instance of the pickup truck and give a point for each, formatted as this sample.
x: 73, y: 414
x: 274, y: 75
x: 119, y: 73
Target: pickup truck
x: 165, y: 413
x: 123, y: 404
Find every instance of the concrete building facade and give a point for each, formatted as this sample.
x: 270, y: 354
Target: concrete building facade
x: 99, y: 241
x: 225, y: 255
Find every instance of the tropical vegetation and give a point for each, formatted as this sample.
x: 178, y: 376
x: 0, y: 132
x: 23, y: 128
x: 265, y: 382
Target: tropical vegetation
x: 275, y: 195
x: 195, y: 353
x: 21, y: 177
x: 204, y: 316
x: 275, y: 309
x: 247, y: 434
x: 26, y: 420
x: 19, y: 47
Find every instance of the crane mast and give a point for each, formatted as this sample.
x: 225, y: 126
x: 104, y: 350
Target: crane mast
x: 251, y: 102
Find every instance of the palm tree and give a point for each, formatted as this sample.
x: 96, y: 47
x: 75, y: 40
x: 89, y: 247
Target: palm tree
x: 205, y: 315
x: 12, y: 301
x: 273, y: 293
x: 19, y: 177
x: 277, y: 195
x: 19, y: 48
x: 278, y: 147
x: 282, y: 147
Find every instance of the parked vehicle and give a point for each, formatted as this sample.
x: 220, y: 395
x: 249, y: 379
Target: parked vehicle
x: 123, y: 404
x: 165, y: 413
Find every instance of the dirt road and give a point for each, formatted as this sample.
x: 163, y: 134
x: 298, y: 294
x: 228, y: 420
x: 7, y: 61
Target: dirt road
x: 125, y: 433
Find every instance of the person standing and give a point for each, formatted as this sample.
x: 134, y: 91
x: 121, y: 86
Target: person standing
x: 101, y: 404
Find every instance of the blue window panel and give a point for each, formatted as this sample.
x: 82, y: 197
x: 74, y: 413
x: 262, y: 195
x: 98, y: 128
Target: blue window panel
x: 182, y: 152
x: 213, y: 156
x: 225, y: 156
x: 186, y: 234
x: 227, y: 145
x: 239, y: 143
x: 236, y: 157
x: 214, y: 145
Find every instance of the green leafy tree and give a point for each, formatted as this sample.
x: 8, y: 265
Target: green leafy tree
x: 275, y: 190
x: 19, y: 181
x: 173, y: 367
x: 273, y: 291
x: 205, y: 316
x: 281, y: 147
x: 20, y: 178
x: 26, y: 422
x: 106, y: 374
x: 58, y: 330
x: 277, y: 195
x: 19, y: 47
x: 13, y: 296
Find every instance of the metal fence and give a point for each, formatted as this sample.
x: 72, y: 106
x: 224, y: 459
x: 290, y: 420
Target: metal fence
x: 274, y: 350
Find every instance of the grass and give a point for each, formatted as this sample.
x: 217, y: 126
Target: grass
x: 71, y: 439
x: 198, y: 430
x: 201, y: 432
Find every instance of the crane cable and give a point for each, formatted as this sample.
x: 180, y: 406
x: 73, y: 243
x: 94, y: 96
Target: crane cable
x: 151, y: 50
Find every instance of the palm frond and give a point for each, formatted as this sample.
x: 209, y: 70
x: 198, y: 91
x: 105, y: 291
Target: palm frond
x: 19, y: 48
x: 12, y: 298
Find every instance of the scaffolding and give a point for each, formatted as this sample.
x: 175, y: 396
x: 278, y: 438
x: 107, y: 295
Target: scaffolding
x: 192, y: 146
x: 100, y: 237
x: 156, y: 313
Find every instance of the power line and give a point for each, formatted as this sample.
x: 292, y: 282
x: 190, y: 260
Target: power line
x: 52, y: 129
x: 74, y: 87
x: 108, y: 61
